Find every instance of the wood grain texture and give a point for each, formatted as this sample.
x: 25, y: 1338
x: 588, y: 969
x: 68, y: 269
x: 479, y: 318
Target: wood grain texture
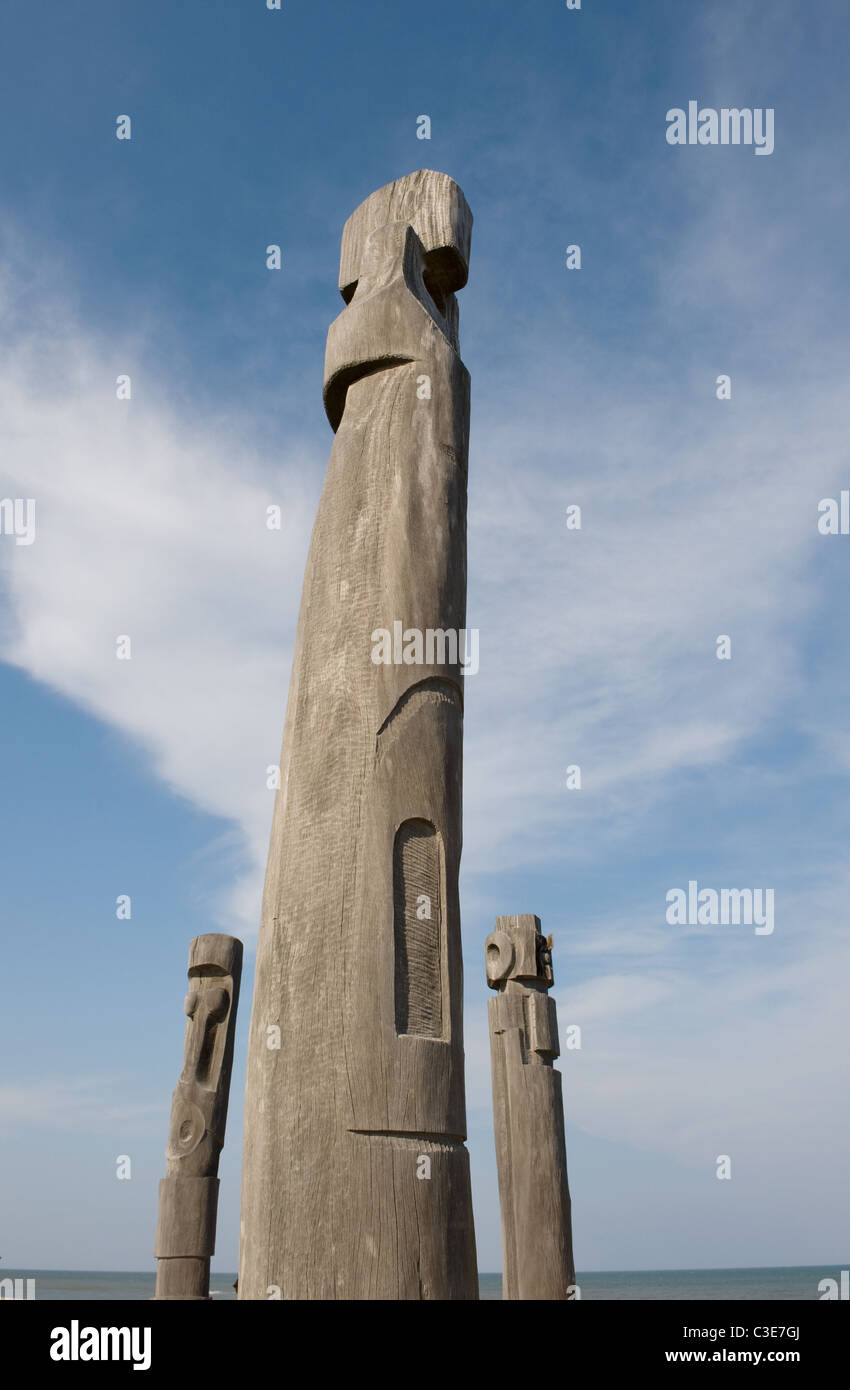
x: 529, y: 1115
x: 339, y: 1115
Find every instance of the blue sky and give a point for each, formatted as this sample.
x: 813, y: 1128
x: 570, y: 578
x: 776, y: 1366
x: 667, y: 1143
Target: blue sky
x: 594, y: 387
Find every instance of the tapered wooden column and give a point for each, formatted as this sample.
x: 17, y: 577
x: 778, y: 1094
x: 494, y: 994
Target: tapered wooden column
x: 188, y: 1194
x: 529, y: 1114
x: 355, y: 1177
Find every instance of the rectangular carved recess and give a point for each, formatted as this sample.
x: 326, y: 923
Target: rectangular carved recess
x: 417, y: 901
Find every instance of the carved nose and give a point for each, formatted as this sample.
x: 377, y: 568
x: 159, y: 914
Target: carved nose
x: 208, y: 1008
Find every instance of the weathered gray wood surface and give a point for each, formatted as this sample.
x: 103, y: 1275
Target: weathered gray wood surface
x: 359, y: 962
x: 188, y: 1194
x: 529, y: 1114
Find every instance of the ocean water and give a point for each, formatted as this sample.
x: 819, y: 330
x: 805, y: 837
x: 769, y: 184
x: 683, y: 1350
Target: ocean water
x: 799, y: 1283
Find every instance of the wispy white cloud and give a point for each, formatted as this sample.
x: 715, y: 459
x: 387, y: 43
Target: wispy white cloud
x: 151, y: 523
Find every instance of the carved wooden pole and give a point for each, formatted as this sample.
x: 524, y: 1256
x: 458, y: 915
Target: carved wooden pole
x: 355, y: 1179
x: 529, y: 1114
x: 188, y: 1194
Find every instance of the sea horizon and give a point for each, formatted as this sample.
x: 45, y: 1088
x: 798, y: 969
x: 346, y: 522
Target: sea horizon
x: 736, y: 1283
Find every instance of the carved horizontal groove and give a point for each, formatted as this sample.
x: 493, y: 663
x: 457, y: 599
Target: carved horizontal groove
x: 442, y: 685
x: 417, y: 1136
x: 337, y: 388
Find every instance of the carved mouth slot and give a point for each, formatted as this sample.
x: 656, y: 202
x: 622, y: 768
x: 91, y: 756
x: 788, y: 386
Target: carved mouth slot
x: 413, y: 1136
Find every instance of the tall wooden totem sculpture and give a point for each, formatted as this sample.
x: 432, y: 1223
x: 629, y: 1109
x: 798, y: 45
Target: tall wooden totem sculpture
x: 355, y: 1173
x: 188, y: 1194
x: 528, y: 1110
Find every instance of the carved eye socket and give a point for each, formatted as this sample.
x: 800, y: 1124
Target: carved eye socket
x: 435, y: 292
x: 190, y: 1003
x: 500, y: 957
x: 217, y: 1001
